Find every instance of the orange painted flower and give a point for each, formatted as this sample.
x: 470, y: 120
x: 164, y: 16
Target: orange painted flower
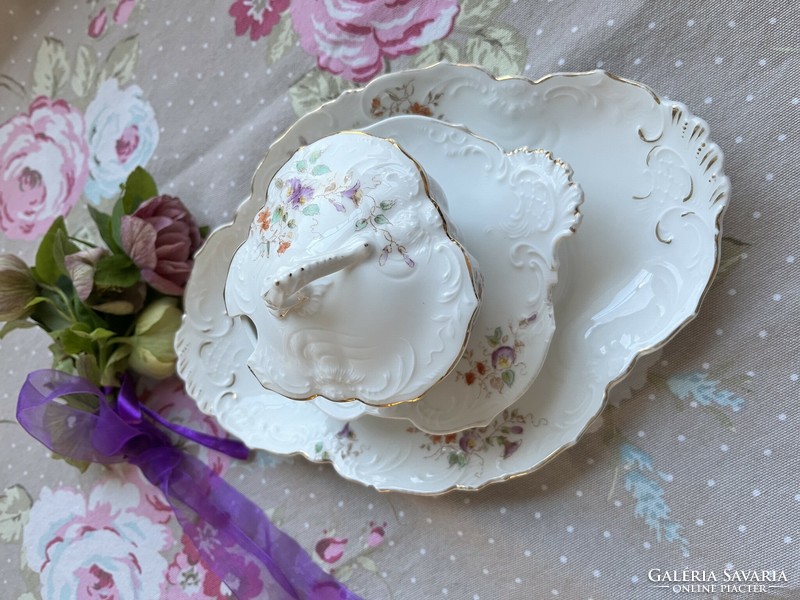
x: 283, y: 247
x: 264, y: 220
x: 420, y: 109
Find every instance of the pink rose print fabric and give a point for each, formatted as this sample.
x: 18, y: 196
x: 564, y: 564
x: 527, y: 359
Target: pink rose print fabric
x: 257, y: 16
x: 105, y: 546
x: 351, y: 38
x: 43, y: 167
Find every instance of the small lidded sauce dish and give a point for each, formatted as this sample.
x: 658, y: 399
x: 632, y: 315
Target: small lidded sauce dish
x: 350, y: 276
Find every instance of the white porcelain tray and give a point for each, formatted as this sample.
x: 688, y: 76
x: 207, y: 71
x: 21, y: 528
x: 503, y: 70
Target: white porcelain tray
x: 647, y: 251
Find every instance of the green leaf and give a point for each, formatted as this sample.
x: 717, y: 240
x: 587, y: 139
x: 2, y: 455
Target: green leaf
x: 381, y: 220
x: 320, y: 170
x: 46, y: 269
x: 15, y: 506
x: 50, y: 69
x: 116, y: 270
x: 301, y: 166
x: 280, y: 40
x: 62, y: 247
x: 508, y: 377
x: 475, y: 14
x: 311, y: 209
x: 314, y: 89
x: 314, y: 156
x: 360, y: 224
x: 500, y: 50
x: 103, y: 223
x: 85, y: 68
x: 86, y: 366
x: 116, y: 222
x: 139, y: 186
x: 204, y: 231
x: 387, y: 205
x: 117, y: 363
x: 121, y: 61
x: 452, y: 459
x: 318, y: 448
x: 443, y: 50
x: 72, y: 343
x: 14, y: 325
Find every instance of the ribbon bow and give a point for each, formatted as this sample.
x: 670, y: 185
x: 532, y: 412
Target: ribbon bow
x: 228, y: 530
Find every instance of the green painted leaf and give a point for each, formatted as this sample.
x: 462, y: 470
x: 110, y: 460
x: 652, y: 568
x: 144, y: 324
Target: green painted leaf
x: 452, y: 459
x: 83, y: 75
x: 314, y: 89
x: 121, y: 61
x: 50, y: 69
x: 732, y: 255
x: 381, y: 220
x: 344, y: 573
x: 360, y: 224
x: 367, y: 563
x: 280, y: 40
x: 301, y: 166
x: 387, y: 205
x: 15, y: 506
x: 139, y: 186
x: 46, y: 269
x: 116, y: 270
x: 320, y: 170
x: 14, y: 86
x: 500, y: 50
x: 443, y: 50
x: 508, y: 377
x: 479, y: 13
x: 311, y: 209
x: 314, y: 156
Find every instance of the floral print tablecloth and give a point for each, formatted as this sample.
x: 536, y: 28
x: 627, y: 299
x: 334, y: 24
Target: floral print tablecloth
x: 697, y: 470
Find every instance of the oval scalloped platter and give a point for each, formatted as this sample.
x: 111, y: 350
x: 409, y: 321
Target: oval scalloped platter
x: 647, y: 250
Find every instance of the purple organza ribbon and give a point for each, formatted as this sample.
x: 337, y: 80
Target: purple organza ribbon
x: 231, y: 533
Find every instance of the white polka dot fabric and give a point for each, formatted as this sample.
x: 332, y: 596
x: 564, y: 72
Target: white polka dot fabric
x: 697, y: 471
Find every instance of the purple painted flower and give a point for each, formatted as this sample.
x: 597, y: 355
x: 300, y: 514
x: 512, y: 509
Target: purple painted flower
x: 354, y: 193
x: 470, y: 441
x: 503, y: 357
x: 516, y: 429
x: 299, y: 194
x: 509, y: 448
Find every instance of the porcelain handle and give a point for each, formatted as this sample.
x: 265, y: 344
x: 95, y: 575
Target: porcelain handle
x: 284, y: 294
